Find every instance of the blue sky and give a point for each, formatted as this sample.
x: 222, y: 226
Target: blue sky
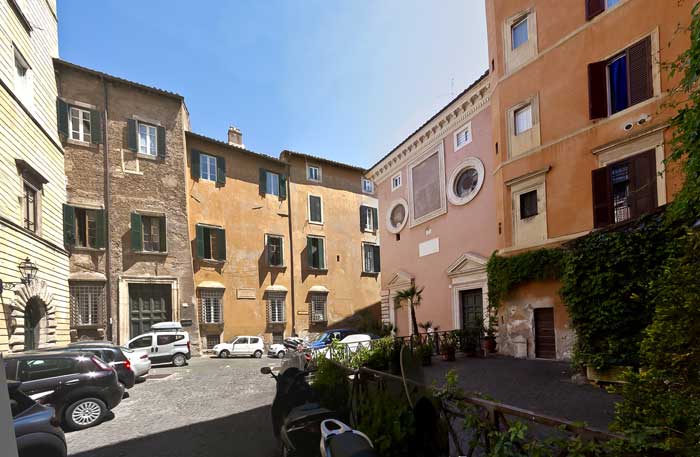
x: 346, y: 80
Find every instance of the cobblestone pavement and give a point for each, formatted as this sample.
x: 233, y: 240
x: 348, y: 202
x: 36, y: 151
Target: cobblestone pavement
x: 211, y: 407
x: 542, y: 386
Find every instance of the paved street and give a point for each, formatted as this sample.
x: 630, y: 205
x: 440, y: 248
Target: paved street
x: 212, y: 407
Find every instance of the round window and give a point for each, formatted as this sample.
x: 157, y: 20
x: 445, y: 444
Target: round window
x: 465, y: 181
x: 397, y: 215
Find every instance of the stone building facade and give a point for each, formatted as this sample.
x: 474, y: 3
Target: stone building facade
x: 125, y: 222
x: 436, y: 210
x: 250, y: 230
x: 32, y: 182
x: 579, y: 135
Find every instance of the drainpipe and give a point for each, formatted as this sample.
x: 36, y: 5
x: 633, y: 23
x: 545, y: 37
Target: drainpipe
x: 291, y: 246
x: 108, y: 235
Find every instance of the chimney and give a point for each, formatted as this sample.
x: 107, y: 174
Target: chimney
x: 235, y: 137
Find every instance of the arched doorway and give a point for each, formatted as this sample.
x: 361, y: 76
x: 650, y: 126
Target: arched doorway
x: 34, y: 322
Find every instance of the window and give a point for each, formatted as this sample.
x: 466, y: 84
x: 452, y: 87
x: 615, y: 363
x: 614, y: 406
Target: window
x: 273, y: 183
x: 23, y: 80
x: 315, y: 252
x: 397, y: 216
x: 624, y: 189
x: 315, y: 209
x: 87, y: 304
x: 595, y: 7
x: 275, y: 250
x: 313, y: 173
x: 611, y: 3
x: 620, y: 82
x: 368, y: 219
x: 528, y: 204
x: 210, y: 300
x: 465, y: 181
x: 318, y: 307
x: 523, y: 119
x: 15, y: 5
x: 36, y: 369
x: 275, y: 307
x: 213, y: 340
x: 143, y: 342
x: 148, y: 139
x: 370, y: 254
x: 396, y: 182
x: 211, y: 243
x: 153, y: 226
x: 367, y: 186
x: 463, y: 137
x: 85, y: 227
x: 79, y: 124
x: 519, y: 33
x: 241, y: 341
x: 30, y: 200
x: 207, y: 167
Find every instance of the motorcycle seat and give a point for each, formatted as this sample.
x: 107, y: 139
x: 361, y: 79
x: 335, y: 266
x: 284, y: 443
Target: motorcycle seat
x: 307, y: 411
x: 349, y: 445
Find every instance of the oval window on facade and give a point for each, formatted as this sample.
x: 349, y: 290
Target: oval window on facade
x: 465, y: 181
x: 397, y: 215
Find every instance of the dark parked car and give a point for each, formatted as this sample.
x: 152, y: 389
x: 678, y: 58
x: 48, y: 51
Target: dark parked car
x: 79, y: 385
x: 108, y: 352
x: 36, y: 428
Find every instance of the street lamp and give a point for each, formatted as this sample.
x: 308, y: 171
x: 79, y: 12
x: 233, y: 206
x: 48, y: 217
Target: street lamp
x: 27, y: 271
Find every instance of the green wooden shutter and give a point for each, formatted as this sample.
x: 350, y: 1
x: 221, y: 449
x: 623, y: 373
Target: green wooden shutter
x: 377, y: 263
x: 95, y: 127
x: 321, y: 255
x: 199, y: 241
x: 100, y: 228
x: 68, y: 225
x: 375, y: 217
x: 363, y: 218
x: 221, y: 244
x: 136, y: 232
x: 161, y: 142
x: 220, y: 171
x: 194, y: 164
x: 263, y: 181
x: 132, y: 135
x: 162, y: 234
x: 62, y: 117
x: 310, y: 251
x: 283, y: 187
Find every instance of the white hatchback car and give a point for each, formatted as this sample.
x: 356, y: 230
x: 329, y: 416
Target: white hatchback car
x: 251, y: 346
x: 140, y: 363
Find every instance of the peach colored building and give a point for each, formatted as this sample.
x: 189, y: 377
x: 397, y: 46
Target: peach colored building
x: 579, y: 135
x: 436, y: 207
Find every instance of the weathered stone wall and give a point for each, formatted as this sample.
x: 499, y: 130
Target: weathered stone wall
x: 138, y: 183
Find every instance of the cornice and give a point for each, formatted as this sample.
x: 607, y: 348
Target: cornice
x: 456, y: 114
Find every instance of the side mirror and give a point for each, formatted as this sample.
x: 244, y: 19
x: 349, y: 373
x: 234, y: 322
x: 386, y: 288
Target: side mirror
x: 265, y: 370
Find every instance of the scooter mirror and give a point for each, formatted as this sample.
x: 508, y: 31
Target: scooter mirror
x: 265, y: 370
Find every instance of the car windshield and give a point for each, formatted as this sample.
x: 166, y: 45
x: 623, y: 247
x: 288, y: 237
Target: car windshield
x: 322, y: 337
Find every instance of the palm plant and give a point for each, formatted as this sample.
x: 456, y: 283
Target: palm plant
x: 413, y: 295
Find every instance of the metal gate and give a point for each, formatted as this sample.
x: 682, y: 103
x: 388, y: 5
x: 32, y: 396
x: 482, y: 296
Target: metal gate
x: 148, y: 305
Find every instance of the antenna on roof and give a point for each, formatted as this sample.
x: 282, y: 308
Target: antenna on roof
x: 452, y: 87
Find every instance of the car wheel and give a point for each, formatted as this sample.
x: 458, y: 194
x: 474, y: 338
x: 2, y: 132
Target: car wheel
x: 85, y: 413
x: 224, y: 354
x: 179, y: 360
x: 280, y: 355
x: 257, y: 354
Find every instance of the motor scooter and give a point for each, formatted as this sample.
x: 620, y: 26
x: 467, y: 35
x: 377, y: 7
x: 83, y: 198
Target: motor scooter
x: 297, y: 420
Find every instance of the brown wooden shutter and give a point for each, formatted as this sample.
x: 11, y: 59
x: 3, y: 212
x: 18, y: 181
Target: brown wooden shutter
x: 639, y: 70
x: 643, y: 183
x: 597, y: 90
x: 594, y: 8
x: 602, y: 197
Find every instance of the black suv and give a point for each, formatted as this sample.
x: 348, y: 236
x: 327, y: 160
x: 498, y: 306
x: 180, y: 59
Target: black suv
x: 108, y: 352
x: 80, y: 386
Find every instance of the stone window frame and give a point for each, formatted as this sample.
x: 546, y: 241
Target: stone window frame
x: 279, y: 299
x: 395, y: 186
x: 309, y: 166
x: 24, y: 91
x: 466, y: 127
x: 217, y: 309
x: 308, y: 210
x: 203, y: 156
x: 529, y: 139
x: 371, y: 186
x: 267, y: 253
x: 521, y: 185
x: 33, y: 179
x: 440, y: 151
x: 316, y: 301
x: 100, y: 307
x: 365, y: 252
x: 389, y: 226
x: 469, y: 162
x: 516, y: 58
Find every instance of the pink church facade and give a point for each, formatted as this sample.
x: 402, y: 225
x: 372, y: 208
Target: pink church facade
x: 437, y: 225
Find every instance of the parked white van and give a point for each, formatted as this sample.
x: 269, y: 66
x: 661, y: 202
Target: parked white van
x: 165, y: 342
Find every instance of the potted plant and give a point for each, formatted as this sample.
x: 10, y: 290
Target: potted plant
x: 448, y: 348
x: 424, y: 353
x: 489, y: 340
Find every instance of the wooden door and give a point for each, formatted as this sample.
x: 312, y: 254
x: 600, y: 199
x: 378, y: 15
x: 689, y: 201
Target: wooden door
x: 148, y: 305
x: 545, y: 346
x: 472, y: 302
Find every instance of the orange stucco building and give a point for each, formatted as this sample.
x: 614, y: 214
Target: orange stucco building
x: 579, y: 135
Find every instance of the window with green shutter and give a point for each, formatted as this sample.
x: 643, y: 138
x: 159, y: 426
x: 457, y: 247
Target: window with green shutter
x: 68, y: 225
x: 136, y: 233
x: 370, y: 253
x: 89, y: 228
x: 210, y: 243
x: 154, y: 233
x: 316, y: 252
